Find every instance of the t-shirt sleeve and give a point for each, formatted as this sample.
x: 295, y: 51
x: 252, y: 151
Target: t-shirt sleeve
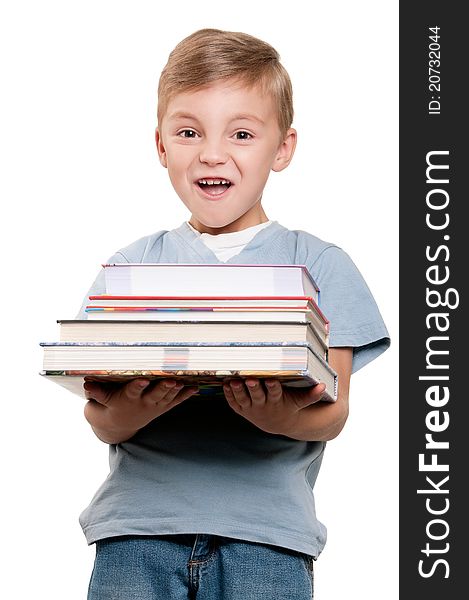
x: 346, y: 300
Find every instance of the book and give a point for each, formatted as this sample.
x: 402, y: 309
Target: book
x: 216, y: 280
x: 198, y: 323
x: 204, y: 314
x: 100, y: 307
x: 187, y: 302
x: 193, y: 331
x: 294, y: 363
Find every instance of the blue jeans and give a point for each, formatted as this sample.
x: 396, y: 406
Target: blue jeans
x: 197, y: 567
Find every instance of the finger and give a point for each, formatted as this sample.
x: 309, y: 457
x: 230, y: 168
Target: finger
x: 93, y: 410
x: 92, y: 389
x: 178, y: 393
x: 163, y: 392
x: 274, y: 391
x: 231, y: 399
x: 133, y: 390
x: 240, y: 393
x: 256, y: 391
x: 104, y: 393
x: 184, y: 394
x: 170, y: 392
x: 100, y: 392
x: 312, y: 396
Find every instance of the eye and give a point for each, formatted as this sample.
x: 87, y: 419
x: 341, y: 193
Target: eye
x: 187, y: 133
x: 243, y: 135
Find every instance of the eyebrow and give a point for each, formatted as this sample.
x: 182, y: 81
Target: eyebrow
x: 248, y: 117
x: 182, y: 115
x: 237, y: 117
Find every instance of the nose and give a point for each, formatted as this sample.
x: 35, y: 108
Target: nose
x: 213, y: 152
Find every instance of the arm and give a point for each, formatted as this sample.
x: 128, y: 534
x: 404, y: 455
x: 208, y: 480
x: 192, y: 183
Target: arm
x: 295, y: 413
x: 116, y: 413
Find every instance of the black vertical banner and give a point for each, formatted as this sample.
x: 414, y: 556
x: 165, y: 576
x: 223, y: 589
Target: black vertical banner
x: 434, y: 329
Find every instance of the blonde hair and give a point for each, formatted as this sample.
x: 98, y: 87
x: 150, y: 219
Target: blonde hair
x: 210, y: 55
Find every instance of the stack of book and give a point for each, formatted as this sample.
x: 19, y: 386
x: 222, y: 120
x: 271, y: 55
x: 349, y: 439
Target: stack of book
x: 199, y: 323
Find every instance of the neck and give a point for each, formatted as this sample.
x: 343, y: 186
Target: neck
x: 249, y: 219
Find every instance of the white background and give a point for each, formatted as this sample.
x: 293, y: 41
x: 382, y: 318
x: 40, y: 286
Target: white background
x: 80, y: 179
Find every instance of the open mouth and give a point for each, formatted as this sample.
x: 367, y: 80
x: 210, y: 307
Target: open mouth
x: 214, y: 187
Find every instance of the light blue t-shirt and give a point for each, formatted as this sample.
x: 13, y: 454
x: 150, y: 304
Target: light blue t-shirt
x: 201, y: 468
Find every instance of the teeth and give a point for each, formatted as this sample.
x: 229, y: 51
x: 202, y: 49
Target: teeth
x: 214, y: 181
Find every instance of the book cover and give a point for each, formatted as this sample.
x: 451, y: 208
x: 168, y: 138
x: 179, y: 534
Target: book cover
x: 296, y: 363
x: 107, y: 302
x: 102, y: 306
x: 190, y: 331
x: 73, y: 380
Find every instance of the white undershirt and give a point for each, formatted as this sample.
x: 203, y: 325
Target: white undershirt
x: 226, y: 245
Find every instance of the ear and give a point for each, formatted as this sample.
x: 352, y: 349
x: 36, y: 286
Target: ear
x: 285, y: 151
x: 160, y: 148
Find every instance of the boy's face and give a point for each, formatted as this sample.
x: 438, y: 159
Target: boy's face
x: 219, y: 144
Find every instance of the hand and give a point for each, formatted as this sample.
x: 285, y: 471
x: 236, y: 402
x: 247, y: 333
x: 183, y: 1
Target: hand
x: 117, y: 411
x: 270, y: 406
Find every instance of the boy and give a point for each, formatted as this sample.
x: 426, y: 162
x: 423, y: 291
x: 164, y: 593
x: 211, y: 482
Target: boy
x: 212, y: 497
